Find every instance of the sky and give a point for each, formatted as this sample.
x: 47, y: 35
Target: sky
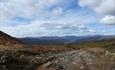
x: 34, y: 18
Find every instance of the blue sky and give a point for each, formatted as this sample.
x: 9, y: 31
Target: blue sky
x: 33, y: 18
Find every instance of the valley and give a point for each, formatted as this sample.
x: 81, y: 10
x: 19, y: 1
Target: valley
x: 90, y: 55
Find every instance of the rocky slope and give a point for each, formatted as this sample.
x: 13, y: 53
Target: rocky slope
x: 7, y: 40
x: 15, y: 59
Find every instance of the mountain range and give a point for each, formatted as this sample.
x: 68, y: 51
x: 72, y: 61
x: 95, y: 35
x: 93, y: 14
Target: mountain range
x: 64, y: 39
x: 6, y: 39
x: 98, y: 54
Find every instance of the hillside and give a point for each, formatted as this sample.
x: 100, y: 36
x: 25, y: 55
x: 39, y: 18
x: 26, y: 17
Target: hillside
x: 8, y: 40
x: 98, y: 55
x: 90, y: 55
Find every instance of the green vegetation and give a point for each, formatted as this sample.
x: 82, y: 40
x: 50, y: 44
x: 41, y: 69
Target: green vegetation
x: 110, y: 47
x: 106, y: 44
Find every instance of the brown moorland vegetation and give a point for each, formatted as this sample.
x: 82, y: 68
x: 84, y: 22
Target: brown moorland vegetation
x: 8, y: 40
x: 94, y: 55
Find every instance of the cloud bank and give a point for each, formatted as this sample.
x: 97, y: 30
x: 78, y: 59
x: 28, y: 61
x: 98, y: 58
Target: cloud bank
x: 55, y: 17
x: 108, y: 20
x: 104, y: 8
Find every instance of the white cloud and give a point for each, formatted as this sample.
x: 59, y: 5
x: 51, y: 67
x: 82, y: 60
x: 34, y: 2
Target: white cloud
x: 108, y: 20
x: 28, y: 9
x: 82, y: 27
x: 58, y: 11
x: 107, y: 7
x: 47, y: 27
x: 103, y: 8
x: 54, y: 1
x: 88, y: 31
x: 45, y: 17
x: 89, y: 3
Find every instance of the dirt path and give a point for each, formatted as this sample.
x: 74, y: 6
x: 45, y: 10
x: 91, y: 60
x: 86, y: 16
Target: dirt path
x: 71, y: 60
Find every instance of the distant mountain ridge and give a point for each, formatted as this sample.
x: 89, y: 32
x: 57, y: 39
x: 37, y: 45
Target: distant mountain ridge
x: 8, y: 40
x: 64, y: 39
